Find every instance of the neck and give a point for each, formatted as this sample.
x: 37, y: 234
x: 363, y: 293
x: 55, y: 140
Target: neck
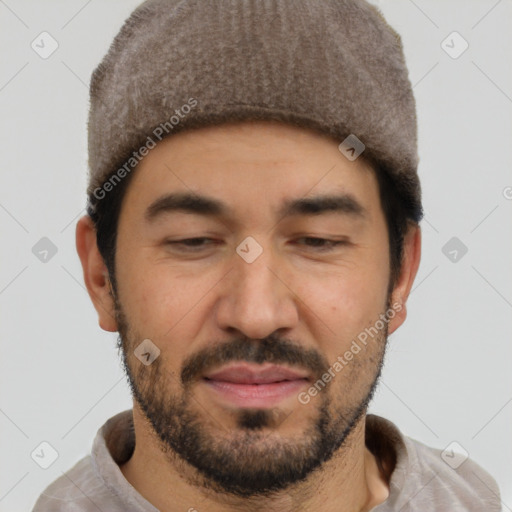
x: 348, y: 482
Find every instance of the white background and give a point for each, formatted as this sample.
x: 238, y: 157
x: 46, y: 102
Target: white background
x: 448, y: 375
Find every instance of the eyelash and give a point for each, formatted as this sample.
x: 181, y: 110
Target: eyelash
x: 327, y: 244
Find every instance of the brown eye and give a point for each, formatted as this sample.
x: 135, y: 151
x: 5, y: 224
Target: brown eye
x: 192, y: 243
x: 323, y: 244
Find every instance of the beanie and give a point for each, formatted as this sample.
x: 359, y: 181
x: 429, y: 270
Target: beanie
x: 332, y: 66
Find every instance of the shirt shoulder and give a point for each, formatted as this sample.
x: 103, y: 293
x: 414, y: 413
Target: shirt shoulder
x: 445, y: 484
x: 425, y: 480
x: 96, y: 481
x: 78, y: 490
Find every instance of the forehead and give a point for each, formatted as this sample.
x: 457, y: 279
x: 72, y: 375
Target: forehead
x: 250, y: 166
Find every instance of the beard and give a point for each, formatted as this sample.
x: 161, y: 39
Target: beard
x: 254, y: 458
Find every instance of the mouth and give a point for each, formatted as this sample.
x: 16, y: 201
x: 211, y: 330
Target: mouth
x: 255, y: 386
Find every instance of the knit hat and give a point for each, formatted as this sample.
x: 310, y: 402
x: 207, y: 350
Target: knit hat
x: 333, y: 66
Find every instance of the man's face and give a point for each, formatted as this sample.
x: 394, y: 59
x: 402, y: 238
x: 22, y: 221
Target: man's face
x: 245, y: 327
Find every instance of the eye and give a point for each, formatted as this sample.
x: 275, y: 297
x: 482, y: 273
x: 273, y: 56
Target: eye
x: 323, y: 244
x: 192, y: 243
x: 199, y: 243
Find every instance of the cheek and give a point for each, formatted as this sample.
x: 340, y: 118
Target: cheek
x: 166, y: 306
x: 156, y: 301
x: 346, y: 302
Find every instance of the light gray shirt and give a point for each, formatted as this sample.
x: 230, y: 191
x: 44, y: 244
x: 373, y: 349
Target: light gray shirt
x: 421, y: 480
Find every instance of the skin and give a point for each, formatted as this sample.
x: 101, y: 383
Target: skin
x: 186, y: 302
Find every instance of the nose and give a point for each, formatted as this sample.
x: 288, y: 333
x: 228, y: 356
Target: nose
x: 255, y: 299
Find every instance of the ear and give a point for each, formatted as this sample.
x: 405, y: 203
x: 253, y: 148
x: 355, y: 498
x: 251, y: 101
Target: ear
x: 410, y: 263
x: 95, y: 273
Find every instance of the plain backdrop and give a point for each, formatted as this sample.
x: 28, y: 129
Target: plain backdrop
x: 448, y: 372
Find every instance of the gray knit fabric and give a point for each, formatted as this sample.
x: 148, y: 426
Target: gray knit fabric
x: 334, y: 66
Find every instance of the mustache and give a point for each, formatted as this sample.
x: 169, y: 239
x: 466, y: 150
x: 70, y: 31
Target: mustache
x: 271, y: 349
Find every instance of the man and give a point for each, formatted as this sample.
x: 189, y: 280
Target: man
x: 253, y: 237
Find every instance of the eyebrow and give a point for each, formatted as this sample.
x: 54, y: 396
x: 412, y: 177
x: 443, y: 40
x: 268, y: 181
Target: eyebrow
x: 204, y: 205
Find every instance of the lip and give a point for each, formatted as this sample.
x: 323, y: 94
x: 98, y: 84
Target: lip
x: 255, y: 386
x: 255, y: 374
